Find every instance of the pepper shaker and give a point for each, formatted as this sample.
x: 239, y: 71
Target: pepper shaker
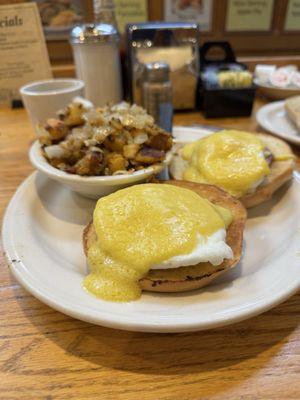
x: 157, y: 99
x: 157, y: 94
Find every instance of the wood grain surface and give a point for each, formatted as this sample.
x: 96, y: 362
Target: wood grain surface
x: 47, y: 355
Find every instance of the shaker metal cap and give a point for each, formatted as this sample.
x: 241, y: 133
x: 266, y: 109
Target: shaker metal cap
x: 157, y: 72
x: 94, y: 33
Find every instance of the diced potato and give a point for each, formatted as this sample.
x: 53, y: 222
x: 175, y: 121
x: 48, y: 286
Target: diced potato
x: 127, y: 136
x: 140, y: 139
x: 131, y: 150
x: 115, y: 123
x: 152, y: 130
x: 100, y: 134
x: 115, y: 143
x: 58, y: 163
x: 136, y: 132
x: 57, y: 129
x: 148, y: 155
x: 162, y: 141
x: 94, y: 118
x: 91, y: 164
x: 73, y: 114
x: 116, y: 162
x: 44, y: 136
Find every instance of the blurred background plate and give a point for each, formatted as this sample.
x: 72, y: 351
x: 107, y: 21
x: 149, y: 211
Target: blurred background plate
x: 273, y: 118
x: 276, y: 93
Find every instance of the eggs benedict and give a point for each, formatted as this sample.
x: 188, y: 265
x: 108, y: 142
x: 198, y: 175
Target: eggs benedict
x: 251, y: 167
x: 166, y: 237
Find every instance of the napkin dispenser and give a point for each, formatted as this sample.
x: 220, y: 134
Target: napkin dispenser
x: 217, y: 101
x: 176, y: 44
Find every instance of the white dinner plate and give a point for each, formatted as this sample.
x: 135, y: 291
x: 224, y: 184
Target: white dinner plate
x: 42, y: 239
x: 274, y: 119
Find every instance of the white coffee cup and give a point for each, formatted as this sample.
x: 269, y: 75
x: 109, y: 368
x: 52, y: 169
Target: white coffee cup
x: 43, y: 99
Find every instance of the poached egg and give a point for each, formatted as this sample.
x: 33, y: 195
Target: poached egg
x: 232, y: 160
x: 152, y: 226
x: 213, y: 249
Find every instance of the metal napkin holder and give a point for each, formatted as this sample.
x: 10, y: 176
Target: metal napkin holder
x: 176, y: 44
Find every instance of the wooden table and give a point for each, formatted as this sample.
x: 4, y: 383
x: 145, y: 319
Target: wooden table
x: 47, y: 355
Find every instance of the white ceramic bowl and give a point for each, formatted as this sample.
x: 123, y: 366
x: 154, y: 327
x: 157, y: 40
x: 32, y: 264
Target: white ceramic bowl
x: 92, y: 187
x: 276, y: 93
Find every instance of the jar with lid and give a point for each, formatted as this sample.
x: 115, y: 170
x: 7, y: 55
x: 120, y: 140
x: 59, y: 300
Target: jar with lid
x: 97, y: 60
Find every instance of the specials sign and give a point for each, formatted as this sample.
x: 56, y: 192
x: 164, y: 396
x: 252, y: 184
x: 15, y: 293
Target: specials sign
x: 24, y: 57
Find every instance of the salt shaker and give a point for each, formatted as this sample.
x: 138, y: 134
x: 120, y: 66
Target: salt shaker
x: 97, y: 61
x: 157, y: 94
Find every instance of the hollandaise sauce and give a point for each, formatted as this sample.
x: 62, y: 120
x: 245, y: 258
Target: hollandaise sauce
x: 141, y: 226
x: 232, y: 160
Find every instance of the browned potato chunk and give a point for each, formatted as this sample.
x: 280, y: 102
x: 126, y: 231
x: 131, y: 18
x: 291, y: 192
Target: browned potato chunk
x: 115, y: 123
x: 162, y: 141
x: 148, y: 155
x: 116, y: 162
x: 94, y: 118
x: 56, y: 129
x: 115, y: 143
x: 131, y: 150
x: 44, y: 136
x: 57, y: 162
x: 73, y: 114
x: 91, y: 164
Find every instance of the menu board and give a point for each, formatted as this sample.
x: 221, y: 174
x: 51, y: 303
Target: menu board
x: 24, y: 56
x: 249, y: 15
x: 292, y: 19
x: 130, y: 11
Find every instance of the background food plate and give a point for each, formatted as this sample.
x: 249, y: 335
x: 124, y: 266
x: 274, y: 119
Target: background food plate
x: 273, y: 118
x: 42, y: 234
x: 276, y: 93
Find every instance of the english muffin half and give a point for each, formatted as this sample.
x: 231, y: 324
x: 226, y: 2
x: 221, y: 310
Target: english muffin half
x: 186, y: 278
x: 280, y: 170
